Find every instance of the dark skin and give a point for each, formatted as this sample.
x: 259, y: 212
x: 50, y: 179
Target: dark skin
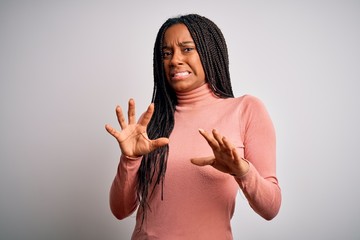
x: 134, y: 142
x: 226, y: 158
x: 181, y: 58
x: 133, y: 139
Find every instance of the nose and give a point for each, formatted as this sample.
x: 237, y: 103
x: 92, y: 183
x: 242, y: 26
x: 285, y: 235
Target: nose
x: 177, y: 58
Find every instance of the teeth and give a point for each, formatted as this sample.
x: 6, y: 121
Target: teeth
x: 181, y: 74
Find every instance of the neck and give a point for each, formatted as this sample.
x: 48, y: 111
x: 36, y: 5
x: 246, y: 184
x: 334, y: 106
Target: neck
x: 200, y: 96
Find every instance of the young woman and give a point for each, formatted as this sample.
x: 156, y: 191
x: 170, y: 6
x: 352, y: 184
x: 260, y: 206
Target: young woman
x: 184, y: 160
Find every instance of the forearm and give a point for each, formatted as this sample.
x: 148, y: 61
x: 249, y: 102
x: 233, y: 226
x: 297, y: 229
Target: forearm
x: 263, y: 194
x: 123, y: 195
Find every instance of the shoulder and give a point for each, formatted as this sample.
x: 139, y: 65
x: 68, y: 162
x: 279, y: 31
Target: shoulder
x: 249, y: 102
x: 246, y: 105
x: 251, y: 108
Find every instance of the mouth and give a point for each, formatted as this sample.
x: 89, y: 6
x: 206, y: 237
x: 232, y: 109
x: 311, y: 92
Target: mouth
x: 179, y: 75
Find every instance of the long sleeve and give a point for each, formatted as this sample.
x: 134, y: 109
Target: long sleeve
x: 259, y: 184
x: 189, y: 191
x: 123, y: 199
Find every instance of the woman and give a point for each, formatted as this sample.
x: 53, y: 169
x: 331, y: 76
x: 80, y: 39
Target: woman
x: 207, y: 142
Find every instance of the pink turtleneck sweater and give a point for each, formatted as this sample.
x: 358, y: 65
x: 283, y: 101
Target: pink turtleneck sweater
x: 199, y: 202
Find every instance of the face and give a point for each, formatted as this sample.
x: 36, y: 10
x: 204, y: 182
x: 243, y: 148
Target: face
x: 183, y: 68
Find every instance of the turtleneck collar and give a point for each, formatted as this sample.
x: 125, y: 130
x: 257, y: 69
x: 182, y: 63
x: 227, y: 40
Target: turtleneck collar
x: 198, y: 97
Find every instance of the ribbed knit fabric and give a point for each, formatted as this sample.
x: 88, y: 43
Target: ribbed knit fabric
x: 199, y: 201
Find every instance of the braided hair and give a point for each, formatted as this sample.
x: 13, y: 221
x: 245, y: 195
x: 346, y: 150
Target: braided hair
x: 212, y: 49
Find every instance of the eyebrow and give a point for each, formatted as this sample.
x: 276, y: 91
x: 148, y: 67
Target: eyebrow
x: 181, y: 44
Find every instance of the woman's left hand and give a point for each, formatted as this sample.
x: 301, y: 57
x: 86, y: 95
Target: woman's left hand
x: 226, y: 158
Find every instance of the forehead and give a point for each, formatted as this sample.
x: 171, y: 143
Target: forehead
x: 177, y: 33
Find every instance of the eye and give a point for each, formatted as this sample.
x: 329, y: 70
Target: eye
x: 188, y: 49
x: 166, y: 54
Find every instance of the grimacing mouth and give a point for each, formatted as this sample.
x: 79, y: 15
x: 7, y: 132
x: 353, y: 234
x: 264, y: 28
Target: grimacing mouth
x: 180, y: 73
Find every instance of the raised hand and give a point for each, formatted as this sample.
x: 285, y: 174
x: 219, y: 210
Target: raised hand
x: 132, y: 138
x: 226, y: 159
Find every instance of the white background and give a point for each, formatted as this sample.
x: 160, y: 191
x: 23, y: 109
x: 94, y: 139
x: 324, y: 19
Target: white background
x: 64, y: 65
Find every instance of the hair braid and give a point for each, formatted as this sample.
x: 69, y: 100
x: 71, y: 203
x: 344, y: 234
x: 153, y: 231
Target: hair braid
x: 213, y: 53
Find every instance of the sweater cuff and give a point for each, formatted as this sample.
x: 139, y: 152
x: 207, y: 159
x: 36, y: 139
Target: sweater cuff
x: 247, y: 177
x: 128, y: 158
x: 129, y: 165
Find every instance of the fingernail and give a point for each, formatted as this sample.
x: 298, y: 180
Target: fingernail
x: 201, y: 130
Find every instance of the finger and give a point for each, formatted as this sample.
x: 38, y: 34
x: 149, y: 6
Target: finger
x: 228, y: 146
x: 159, y: 142
x: 120, y: 117
x: 210, y: 139
x: 112, y: 131
x: 145, y: 119
x: 241, y: 161
x: 203, y: 161
x: 227, y: 143
x: 236, y: 154
x: 131, y: 111
x: 218, y: 137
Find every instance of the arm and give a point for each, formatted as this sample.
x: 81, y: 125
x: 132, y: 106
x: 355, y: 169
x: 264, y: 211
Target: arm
x: 255, y: 174
x: 123, y: 199
x: 134, y: 143
x: 259, y: 184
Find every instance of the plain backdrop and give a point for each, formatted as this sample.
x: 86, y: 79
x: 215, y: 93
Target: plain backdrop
x: 65, y: 65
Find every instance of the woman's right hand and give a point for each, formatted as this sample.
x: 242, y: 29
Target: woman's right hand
x: 132, y: 138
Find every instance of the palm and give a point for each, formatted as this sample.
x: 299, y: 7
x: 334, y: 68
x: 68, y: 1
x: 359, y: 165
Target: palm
x: 226, y: 159
x: 133, y: 139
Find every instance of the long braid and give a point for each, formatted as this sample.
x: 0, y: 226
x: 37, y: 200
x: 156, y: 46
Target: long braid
x: 213, y: 53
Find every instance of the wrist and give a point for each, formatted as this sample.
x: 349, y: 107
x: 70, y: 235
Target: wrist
x: 132, y: 157
x: 244, y: 169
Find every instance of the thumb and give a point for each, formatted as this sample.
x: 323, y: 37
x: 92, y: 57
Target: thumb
x: 159, y: 142
x: 203, y: 161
